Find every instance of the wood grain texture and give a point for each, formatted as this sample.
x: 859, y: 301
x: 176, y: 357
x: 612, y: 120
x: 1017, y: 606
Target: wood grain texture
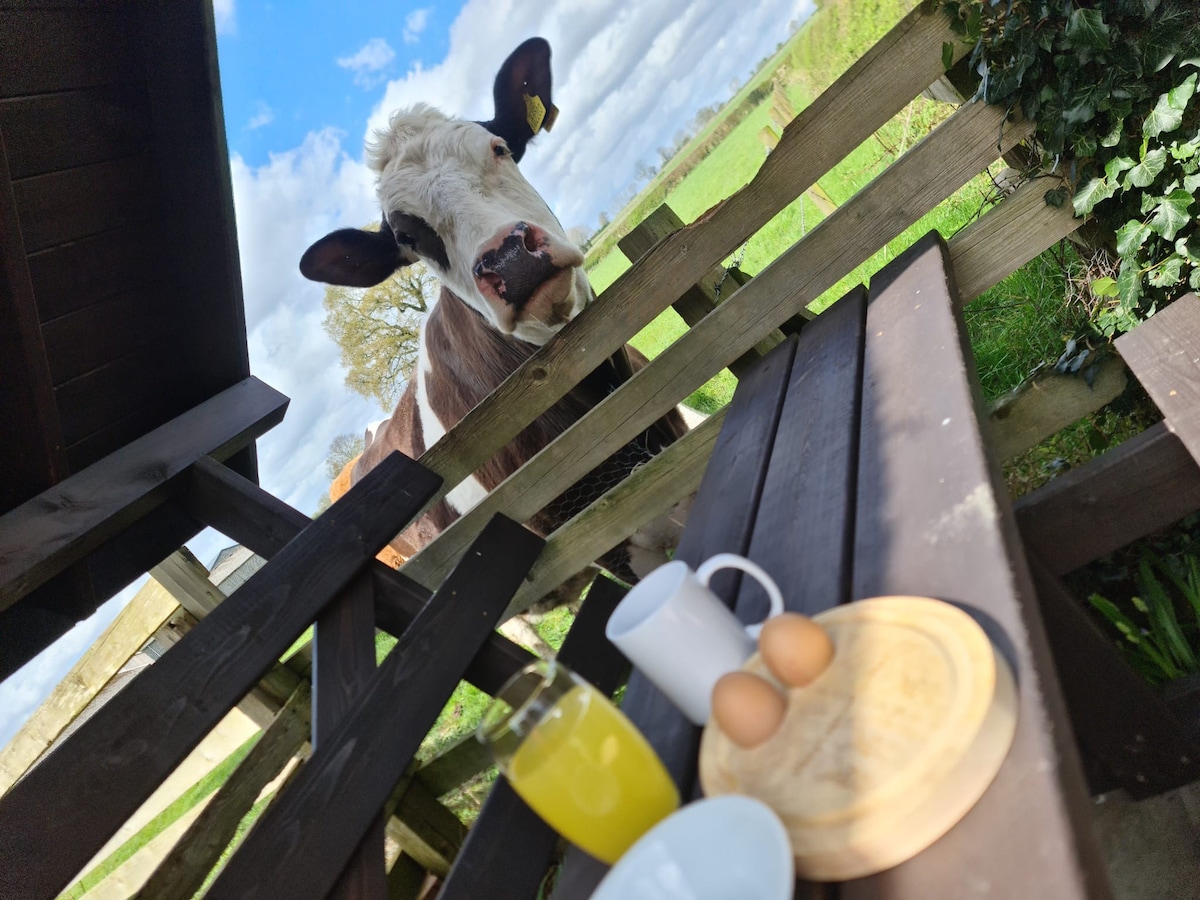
x: 1044, y: 406
x: 424, y: 829
x: 60, y: 814
x: 116, y: 326
x: 254, y: 518
x: 182, y: 873
x: 46, y: 50
x: 74, y: 276
x: 897, y: 68
x: 931, y: 521
x: 32, y: 455
x: 64, y: 206
x: 1164, y: 353
x: 142, y: 617
x: 343, y: 665
x: 721, y: 521
x: 76, y: 128
x: 1117, y: 716
x: 1007, y: 236
x: 510, y: 848
x: 43, y: 536
x: 932, y: 170
x: 648, y: 492
x: 1148, y: 482
x: 701, y: 298
x: 184, y: 89
x: 449, y: 769
x: 804, y: 527
x: 303, y: 841
x: 187, y: 579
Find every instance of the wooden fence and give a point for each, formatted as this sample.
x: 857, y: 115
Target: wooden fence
x: 683, y: 267
x: 676, y: 264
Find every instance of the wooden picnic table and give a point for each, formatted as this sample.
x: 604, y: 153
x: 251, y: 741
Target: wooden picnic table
x: 851, y: 465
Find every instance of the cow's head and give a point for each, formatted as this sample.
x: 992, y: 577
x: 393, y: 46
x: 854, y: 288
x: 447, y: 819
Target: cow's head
x: 452, y: 196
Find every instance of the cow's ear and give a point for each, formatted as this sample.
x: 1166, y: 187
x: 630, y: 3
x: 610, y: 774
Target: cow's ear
x: 522, y: 96
x: 353, y: 257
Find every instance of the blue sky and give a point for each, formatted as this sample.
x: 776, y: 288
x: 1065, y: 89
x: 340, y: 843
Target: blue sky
x: 304, y: 83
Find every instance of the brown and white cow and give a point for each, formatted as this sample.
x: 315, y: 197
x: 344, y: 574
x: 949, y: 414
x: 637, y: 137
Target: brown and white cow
x: 452, y: 196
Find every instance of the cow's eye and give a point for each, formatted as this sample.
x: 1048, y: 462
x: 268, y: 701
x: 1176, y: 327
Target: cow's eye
x: 500, y: 151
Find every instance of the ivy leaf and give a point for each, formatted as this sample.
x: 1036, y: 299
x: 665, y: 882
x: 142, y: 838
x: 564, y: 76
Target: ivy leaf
x: 1168, y: 273
x: 1086, y: 29
x: 1143, y: 174
x: 1180, y: 152
x: 1095, y: 191
x: 1130, y: 238
x: 1191, y: 183
x: 1129, y: 284
x: 1171, y: 214
x: 1167, y: 114
x: 1055, y: 197
x: 1194, y: 279
x: 1115, y: 166
x: 1104, y: 287
x: 947, y: 55
x: 1113, y: 137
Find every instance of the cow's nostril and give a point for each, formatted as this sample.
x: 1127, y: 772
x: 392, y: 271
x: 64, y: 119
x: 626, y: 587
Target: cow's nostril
x: 492, y: 280
x: 531, y: 242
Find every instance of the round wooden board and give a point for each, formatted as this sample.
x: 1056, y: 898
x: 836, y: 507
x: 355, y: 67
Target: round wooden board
x: 888, y: 748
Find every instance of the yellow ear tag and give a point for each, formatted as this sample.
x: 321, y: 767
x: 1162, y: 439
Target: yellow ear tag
x: 535, y: 113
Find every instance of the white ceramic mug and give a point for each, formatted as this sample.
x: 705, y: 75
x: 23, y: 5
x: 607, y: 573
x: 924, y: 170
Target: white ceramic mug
x: 680, y: 634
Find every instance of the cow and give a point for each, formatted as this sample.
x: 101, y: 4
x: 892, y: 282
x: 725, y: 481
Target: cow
x: 452, y: 196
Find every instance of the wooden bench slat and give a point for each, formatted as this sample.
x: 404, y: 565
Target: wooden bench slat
x: 931, y: 521
x: 509, y: 848
x: 306, y: 837
x: 722, y: 520
x: 1148, y: 482
x: 1164, y: 353
x: 254, y: 518
x: 803, y: 531
x: 63, y: 524
x: 60, y: 814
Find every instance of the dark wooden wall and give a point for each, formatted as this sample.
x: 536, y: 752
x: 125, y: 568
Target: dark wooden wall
x: 120, y: 293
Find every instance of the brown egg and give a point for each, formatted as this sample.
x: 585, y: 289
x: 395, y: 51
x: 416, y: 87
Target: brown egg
x: 795, y: 648
x: 747, y: 708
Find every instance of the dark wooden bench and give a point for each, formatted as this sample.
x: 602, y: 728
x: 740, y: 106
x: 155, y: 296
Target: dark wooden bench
x: 852, y: 464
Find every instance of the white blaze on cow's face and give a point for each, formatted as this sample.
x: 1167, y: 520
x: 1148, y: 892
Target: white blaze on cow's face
x: 454, y: 197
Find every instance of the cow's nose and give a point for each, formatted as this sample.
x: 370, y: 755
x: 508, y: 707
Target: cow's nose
x: 514, y: 264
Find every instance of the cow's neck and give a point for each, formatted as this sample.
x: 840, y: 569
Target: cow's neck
x: 464, y: 359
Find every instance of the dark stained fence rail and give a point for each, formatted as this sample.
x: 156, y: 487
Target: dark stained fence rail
x: 63, y: 811
x: 305, y: 839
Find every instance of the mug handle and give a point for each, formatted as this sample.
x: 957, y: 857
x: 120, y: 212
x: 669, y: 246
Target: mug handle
x: 732, y: 561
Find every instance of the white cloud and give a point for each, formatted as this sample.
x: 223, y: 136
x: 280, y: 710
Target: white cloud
x: 282, y: 207
x: 414, y: 24
x: 627, y: 77
x: 223, y: 12
x: 370, y: 62
x: 264, y: 116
